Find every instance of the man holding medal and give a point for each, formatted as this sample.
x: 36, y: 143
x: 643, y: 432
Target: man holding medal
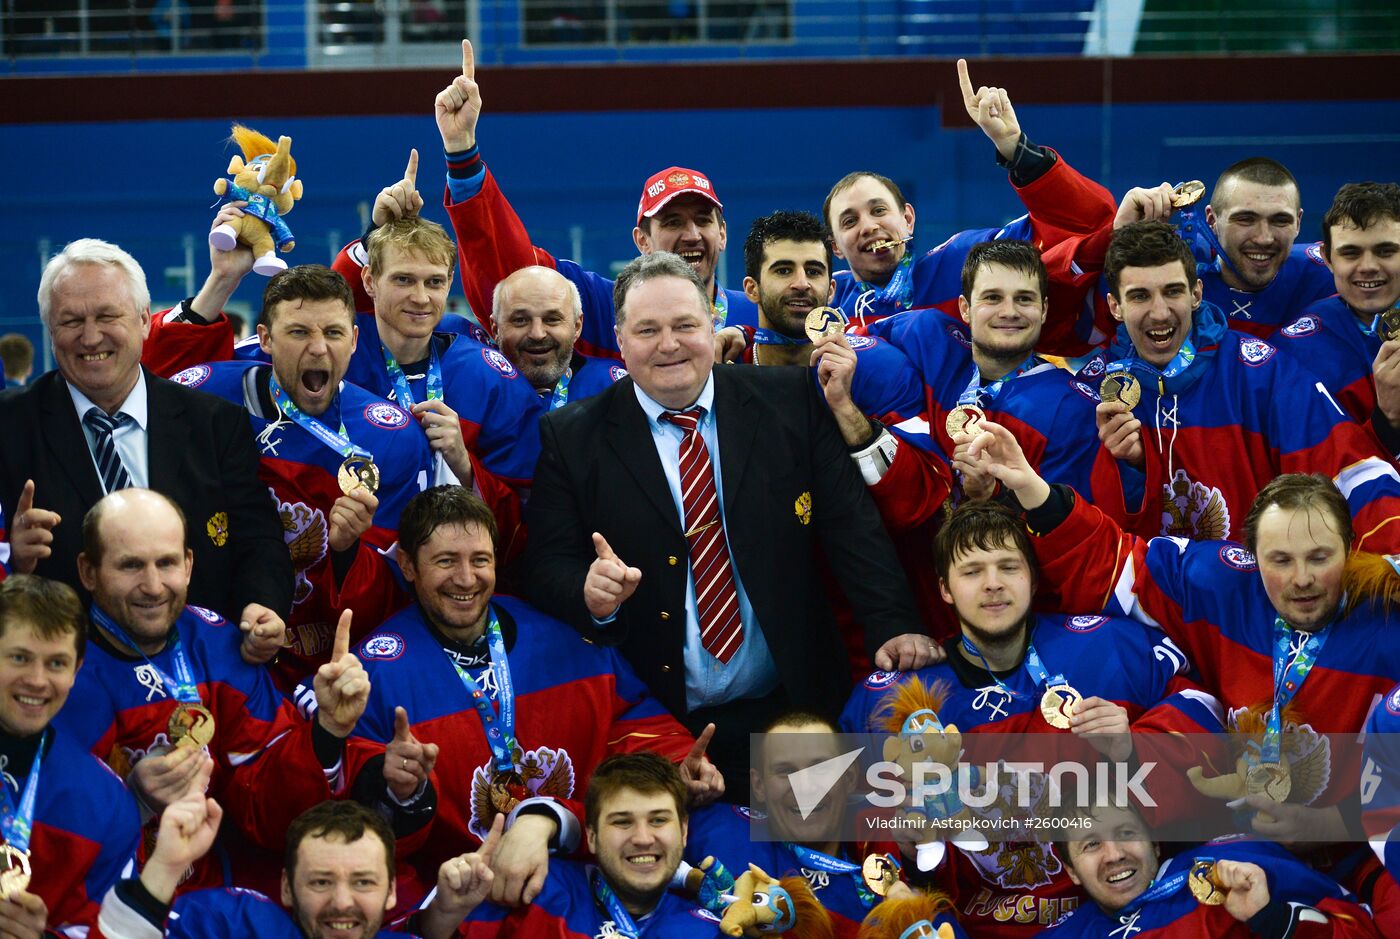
x: 70, y: 828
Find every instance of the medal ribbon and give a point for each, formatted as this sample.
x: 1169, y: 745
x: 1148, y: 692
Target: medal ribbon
x: 500, y: 731
x: 1288, y: 681
x: 771, y: 337
x: 972, y: 394
x: 403, y: 392
x: 1157, y: 890
x: 901, y: 285
x: 338, y: 442
x: 1033, y: 665
x: 621, y: 919
x: 721, y: 307
x: 17, y: 824
x: 1179, y: 363
x: 560, y: 395
x: 182, y: 687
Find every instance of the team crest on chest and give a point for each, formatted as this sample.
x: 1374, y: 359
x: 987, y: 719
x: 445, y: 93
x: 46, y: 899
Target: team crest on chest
x: 1193, y: 510
x: 617, y: 372
x: 499, y: 362
x: 860, y: 342
x: 1302, y: 326
x: 539, y: 772
x: 1238, y: 557
x: 193, y: 377
x: 384, y: 647
x: 307, y: 536
x: 1255, y: 352
x: 386, y: 415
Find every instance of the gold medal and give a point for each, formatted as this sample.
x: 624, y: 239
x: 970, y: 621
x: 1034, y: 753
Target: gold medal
x: 1268, y: 779
x: 1389, y: 326
x: 14, y: 879
x: 358, y: 472
x: 1203, y: 884
x: 962, y: 417
x: 191, y: 725
x: 890, y: 244
x: 880, y: 873
x: 1188, y: 194
x: 1121, y: 386
x: 825, y: 321
x: 1058, y: 705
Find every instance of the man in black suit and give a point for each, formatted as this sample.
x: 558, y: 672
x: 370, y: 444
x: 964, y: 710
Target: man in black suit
x: 619, y: 549
x: 100, y: 422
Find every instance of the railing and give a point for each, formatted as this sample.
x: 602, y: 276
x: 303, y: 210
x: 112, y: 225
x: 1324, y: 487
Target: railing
x: 141, y: 35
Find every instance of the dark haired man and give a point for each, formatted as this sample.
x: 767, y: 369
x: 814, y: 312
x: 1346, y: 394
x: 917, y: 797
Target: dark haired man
x: 1214, y: 414
x: 72, y: 819
x: 526, y: 708
x: 787, y: 274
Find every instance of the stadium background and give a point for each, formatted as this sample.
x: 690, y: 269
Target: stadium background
x: 114, y: 113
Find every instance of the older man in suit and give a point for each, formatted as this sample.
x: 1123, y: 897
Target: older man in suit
x: 101, y: 423
x: 676, y: 515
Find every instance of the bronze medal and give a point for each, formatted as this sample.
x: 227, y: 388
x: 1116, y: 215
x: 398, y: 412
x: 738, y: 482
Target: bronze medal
x: 880, y: 873
x: 825, y: 321
x: 191, y: 725
x: 962, y: 417
x: 1268, y: 779
x: 1188, y: 194
x: 1058, y: 705
x: 1203, y: 884
x: 1389, y: 326
x: 1121, y: 386
x: 14, y: 879
x: 358, y: 472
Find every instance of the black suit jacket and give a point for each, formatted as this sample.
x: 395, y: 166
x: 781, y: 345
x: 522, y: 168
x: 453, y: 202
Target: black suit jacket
x: 779, y: 448
x: 200, y: 453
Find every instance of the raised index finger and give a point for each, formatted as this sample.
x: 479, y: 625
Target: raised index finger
x: 697, y: 752
x: 342, y: 637
x: 965, y: 82
x: 468, y: 60
x: 410, y: 172
x: 26, y: 498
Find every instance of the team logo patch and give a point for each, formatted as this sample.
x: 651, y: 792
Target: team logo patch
x: 1193, y: 510
x: 217, y: 529
x: 752, y: 815
x: 1238, y: 557
x: 479, y: 334
x: 1093, y: 368
x: 385, y: 647
x: 386, y: 415
x: 1085, y: 624
x: 617, y: 372
x: 959, y: 334
x: 1392, y: 702
x: 209, y: 616
x: 1255, y: 352
x: 1302, y: 326
x: 1314, y: 253
x: 540, y: 772
x: 803, y: 508
x: 307, y: 535
x: 860, y: 342
x: 1086, y: 390
x: 499, y: 362
x: 878, y: 680
x: 194, y: 376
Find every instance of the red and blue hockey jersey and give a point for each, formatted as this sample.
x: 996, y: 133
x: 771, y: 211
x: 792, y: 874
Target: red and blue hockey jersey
x: 301, y: 472
x: 1303, y: 904
x: 1303, y: 280
x: 1330, y: 341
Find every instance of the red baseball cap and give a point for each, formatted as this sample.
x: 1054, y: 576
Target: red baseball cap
x: 673, y: 181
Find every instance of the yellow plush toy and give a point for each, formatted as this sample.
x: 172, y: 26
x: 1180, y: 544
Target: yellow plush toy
x: 265, y: 178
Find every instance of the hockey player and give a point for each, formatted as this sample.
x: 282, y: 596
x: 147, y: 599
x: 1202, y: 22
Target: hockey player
x: 1342, y: 338
x: 68, y: 823
x: 1228, y: 889
x: 1210, y: 415
x: 317, y: 435
x: 872, y: 223
x: 538, y: 316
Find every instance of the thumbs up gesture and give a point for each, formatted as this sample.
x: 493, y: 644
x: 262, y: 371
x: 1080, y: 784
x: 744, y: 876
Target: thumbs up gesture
x: 342, y: 687
x: 609, y: 582
x: 30, y: 532
x: 407, y: 762
x: 402, y: 199
x: 458, y: 106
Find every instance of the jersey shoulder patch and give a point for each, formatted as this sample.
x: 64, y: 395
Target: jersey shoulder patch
x: 384, y: 647
x: 1238, y: 557
x: 1255, y: 352
x: 498, y: 361
x: 192, y: 377
x: 1085, y: 624
x: 1302, y: 326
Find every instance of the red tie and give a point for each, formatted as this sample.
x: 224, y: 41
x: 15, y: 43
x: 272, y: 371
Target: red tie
x: 716, y: 602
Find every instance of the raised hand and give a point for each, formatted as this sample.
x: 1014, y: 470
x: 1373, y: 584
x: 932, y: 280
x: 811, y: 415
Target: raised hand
x: 522, y: 860
x: 188, y: 827
x: 407, y: 762
x: 991, y: 109
x: 351, y: 516
x: 703, y: 781
x: 458, y: 106
x: 163, y: 777
x: 1246, y: 888
x: 463, y: 882
x: 1140, y: 205
x: 402, y: 199
x: 609, y: 582
x: 1104, y: 726
x: 342, y: 687
x: 1120, y: 432
x: 995, y: 450
x: 264, y: 634
x: 31, y: 532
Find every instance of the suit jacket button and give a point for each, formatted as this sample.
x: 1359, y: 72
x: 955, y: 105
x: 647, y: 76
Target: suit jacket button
x: 665, y: 668
x: 671, y: 560
x: 665, y: 616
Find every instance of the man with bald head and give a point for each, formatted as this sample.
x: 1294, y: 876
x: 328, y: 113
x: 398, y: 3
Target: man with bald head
x: 538, y: 317
x: 101, y: 423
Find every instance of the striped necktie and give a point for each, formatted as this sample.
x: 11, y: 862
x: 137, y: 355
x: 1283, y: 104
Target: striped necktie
x: 109, y: 462
x: 716, y: 600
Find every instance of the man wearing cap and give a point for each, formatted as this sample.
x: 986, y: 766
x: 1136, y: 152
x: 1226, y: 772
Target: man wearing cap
x: 679, y: 211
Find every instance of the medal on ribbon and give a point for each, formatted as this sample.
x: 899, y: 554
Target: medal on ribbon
x: 17, y: 826
x: 499, y: 730
x: 1203, y: 883
x: 880, y: 872
x: 824, y: 321
x: 560, y: 395
x: 358, y: 470
x: 403, y: 391
x: 1121, y: 386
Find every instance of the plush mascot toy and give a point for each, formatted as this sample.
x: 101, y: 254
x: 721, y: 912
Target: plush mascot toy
x: 911, y: 914
x: 762, y: 905
x: 265, y: 178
